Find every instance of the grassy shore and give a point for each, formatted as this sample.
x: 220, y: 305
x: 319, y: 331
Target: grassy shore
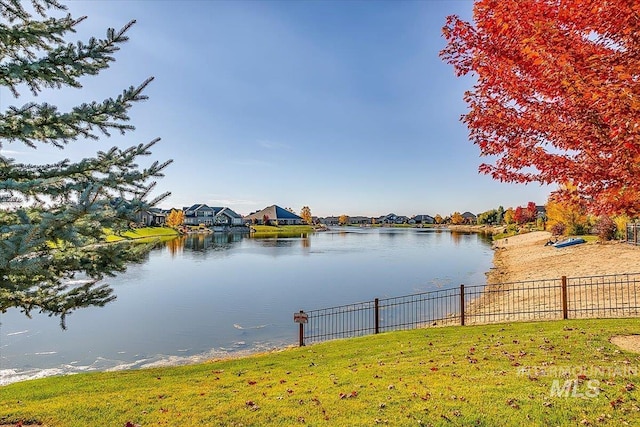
x: 288, y: 230
x: 496, y: 375
x: 142, y: 233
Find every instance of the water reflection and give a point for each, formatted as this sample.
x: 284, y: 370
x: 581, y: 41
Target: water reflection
x: 211, y: 294
x: 200, y: 242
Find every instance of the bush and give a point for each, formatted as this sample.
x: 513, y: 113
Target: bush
x: 605, y: 228
x: 558, y: 229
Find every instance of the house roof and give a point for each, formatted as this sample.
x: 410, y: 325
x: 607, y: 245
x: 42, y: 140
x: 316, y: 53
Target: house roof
x: 228, y: 212
x: 275, y: 213
x: 203, y: 207
x: 422, y: 217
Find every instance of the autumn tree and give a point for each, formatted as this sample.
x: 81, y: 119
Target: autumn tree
x: 175, y: 218
x: 457, y: 218
x: 438, y: 219
x: 305, y: 213
x: 605, y: 228
x: 53, y: 216
x: 567, y: 215
x: 557, y: 96
x: 519, y: 215
x: 531, y: 212
x: 343, y: 220
x: 509, y: 216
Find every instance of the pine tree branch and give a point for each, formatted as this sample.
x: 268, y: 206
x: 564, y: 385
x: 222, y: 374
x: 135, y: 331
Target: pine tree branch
x: 62, y: 64
x: 43, y: 123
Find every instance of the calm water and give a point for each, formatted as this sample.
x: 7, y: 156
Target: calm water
x: 207, y: 296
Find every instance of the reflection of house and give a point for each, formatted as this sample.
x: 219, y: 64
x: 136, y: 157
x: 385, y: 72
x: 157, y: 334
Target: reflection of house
x: 151, y: 217
x: 206, y: 215
x: 273, y: 215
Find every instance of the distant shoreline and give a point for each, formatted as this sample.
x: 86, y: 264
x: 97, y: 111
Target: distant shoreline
x: 486, y: 229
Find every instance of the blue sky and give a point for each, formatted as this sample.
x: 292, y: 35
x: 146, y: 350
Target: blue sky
x: 343, y: 106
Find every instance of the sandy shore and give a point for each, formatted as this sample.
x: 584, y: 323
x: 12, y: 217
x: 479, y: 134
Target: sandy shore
x: 524, y: 257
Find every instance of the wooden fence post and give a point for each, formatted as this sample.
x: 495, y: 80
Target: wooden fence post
x: 462, y: 305
x: 565, y: 311
x: 301, y: 318
x: 376, y: 315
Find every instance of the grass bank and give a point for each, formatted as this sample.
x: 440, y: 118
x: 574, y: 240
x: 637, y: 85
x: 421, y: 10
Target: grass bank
x: 496, y: 375
x: 142, y: 233
x: 289, y: 230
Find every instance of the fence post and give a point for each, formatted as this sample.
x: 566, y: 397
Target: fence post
x: 376, y: 315
x: 301, y: 318
x: 462, y: 305
x: 565, y: 311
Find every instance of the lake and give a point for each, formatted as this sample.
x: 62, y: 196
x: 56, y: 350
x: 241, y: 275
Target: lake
x: 199, y: 297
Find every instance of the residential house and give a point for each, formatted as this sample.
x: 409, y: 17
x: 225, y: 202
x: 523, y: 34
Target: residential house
x: 153, y: 217
x: 329, y: 220
x: 392, y: 219
x: 359, y: 220
x: 273, y: 215
x: 200, y: 213
x: 228, y: 217
x: 423, y: 219
x: 469, y: 218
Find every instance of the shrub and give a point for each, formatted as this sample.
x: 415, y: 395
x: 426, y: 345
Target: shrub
x: 558, y: 229
x: 605, y: 228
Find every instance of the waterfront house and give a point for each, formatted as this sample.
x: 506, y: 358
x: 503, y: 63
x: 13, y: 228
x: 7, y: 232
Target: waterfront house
x: 228, y: 217
x: 273, y: 215
x: 469, y: 218
x: 200, y: 213
x: 423, y: 219
x: 153, y: 217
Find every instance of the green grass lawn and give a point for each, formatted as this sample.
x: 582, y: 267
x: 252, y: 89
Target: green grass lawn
x: 142, y: 233
x: 497, y: 375
x: 282, y: 230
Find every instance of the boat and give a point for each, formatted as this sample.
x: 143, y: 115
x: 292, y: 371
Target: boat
x: 569, y: 242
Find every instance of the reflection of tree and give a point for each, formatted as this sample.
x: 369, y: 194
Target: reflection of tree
x: 456, y: 237
x: 306, y: 242
x: 176, y: 245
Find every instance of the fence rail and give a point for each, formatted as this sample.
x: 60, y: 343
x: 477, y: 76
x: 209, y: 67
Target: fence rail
x: 563, y: 298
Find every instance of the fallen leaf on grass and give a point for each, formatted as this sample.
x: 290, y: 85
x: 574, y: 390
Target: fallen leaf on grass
x: 348, y: 395
x: 252, y: 405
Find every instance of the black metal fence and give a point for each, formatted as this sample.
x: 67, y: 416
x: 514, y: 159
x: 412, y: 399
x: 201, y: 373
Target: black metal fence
x: 564, y: 298
x: 633, y: 233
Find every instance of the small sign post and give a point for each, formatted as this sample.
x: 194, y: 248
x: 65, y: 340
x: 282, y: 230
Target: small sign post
x: 301, y: 318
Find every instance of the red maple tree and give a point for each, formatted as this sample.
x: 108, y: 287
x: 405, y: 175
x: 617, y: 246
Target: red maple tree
x: 557, y: 97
